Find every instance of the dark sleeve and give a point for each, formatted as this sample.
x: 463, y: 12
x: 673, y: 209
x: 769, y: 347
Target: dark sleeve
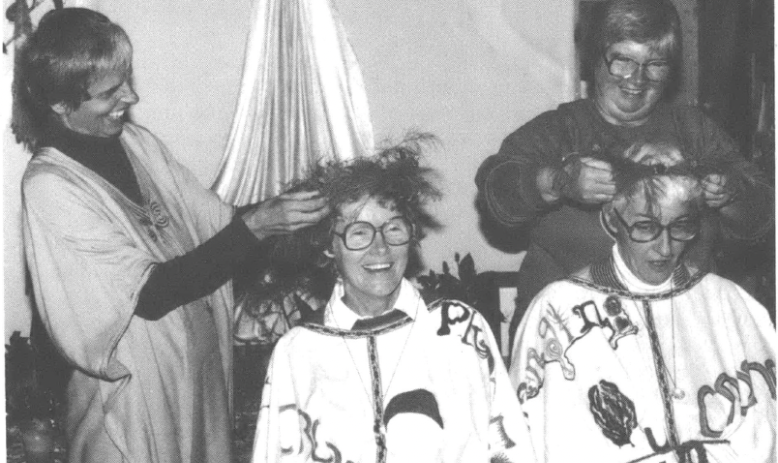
x: 507, y: 186
x: 750, y: 216
x: 197, y: 273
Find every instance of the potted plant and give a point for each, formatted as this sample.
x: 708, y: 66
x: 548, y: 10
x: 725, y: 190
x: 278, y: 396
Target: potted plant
x: 473, y: 288
x: 30, y: 407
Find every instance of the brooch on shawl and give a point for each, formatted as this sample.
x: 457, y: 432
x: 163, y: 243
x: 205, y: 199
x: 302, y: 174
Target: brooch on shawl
x: 155, y: 218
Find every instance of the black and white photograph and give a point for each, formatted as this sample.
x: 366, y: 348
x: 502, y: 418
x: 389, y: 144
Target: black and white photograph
x: 418, y: 231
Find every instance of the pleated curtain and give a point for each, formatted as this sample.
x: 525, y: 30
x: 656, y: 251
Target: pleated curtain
x: 302, y: 98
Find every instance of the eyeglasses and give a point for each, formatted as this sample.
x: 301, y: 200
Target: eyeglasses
x: 360, y: 235
x: 624, y: 67
x: 644, y: 231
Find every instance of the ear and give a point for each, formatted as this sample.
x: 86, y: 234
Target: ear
x: 328, y: 253
x: 608, y: 220
x: 60, y: 108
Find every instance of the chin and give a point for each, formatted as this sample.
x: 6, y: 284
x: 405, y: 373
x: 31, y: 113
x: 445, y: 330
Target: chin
x: 655, y: 279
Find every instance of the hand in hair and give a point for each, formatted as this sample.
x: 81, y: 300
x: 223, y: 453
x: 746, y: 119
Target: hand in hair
x: 582, y: 179
x: 715, y: 191
x: 286, y: 213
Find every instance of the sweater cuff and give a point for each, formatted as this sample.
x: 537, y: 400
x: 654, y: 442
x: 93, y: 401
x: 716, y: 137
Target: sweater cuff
x: 512, y: 194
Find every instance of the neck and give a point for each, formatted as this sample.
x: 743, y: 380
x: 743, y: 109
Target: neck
x: 366, y: 306
x: 618, y: 122
x: 634, y: 283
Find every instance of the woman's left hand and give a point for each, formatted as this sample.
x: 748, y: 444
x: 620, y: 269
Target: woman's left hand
x: 715, y: 191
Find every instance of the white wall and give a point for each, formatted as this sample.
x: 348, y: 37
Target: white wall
x: 470, y: 71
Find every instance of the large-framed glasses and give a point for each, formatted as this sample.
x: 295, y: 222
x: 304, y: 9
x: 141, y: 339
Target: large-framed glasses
x: 360, y: 235
x: 643, y: 231
x: 624, y: 67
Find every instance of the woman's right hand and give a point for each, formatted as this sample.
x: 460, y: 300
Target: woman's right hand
x: 582, y: 179
x: 286, y: 213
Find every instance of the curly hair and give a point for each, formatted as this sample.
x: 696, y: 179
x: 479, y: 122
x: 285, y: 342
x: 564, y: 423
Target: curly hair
x: 393, y: 176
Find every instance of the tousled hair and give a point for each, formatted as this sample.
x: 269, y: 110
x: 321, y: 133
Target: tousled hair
x: 393, y: 176
x: 56, y: 64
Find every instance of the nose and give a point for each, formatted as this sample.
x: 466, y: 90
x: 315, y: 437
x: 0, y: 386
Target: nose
x: 379, y: 243
x: 639, y: 76
x: 664, y: 244
x: 128, y: 94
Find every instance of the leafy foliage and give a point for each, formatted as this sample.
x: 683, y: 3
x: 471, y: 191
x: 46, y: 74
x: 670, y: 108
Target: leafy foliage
x: 25, y: 397
x: 447, y: 286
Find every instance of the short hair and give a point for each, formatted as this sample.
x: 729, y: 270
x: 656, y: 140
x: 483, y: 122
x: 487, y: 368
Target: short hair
x: 69, y: 50
x: 656, y: 168
x: 393, y: 176
x: 652, y: 22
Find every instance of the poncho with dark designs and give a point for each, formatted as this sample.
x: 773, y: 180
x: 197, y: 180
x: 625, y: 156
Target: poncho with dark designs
x: 611, y: 369
x: 418, y: 384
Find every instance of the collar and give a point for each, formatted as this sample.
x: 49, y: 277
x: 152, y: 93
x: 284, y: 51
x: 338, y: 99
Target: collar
x: 338, y: 315
x: 613, y: 273
x: 77, y: 145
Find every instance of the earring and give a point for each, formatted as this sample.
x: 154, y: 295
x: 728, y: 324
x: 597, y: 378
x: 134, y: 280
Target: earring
x: 605, y: 226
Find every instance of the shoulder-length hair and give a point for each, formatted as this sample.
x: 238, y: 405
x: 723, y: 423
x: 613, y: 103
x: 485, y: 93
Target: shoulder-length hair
x: 69, y: 50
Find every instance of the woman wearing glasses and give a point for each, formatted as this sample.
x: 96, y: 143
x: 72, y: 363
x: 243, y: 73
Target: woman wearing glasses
x: 641, y: 356
x: 378, y: 375
x: 549, y: 178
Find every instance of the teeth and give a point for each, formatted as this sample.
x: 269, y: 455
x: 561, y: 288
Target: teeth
x: 116, y: 114
x: 378, y: 266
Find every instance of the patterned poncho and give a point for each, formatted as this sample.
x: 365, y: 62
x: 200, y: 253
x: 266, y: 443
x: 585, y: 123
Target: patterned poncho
x: 611, y: 369
x: 418, y: 384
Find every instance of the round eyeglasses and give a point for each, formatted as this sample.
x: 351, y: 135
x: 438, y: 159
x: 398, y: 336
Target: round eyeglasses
x: 621, y: 66
x: 360, y: 235
x: 644, y: 231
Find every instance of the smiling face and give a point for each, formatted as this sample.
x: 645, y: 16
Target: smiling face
x: 371, y: 276
x: 627, y: 101
x: 111, y: 94
x: 653, y: 262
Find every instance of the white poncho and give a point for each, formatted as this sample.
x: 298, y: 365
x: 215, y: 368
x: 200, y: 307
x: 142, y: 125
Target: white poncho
x: 417, y: 384
x: 142, y: 391
x: 610, y: 369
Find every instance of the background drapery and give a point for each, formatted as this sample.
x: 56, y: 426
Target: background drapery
x: 302, y: 97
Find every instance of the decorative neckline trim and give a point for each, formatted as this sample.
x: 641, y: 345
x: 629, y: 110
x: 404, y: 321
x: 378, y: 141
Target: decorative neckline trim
x: 605, y: 280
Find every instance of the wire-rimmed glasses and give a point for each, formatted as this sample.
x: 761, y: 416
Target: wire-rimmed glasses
x: 360, y: 235
x: 644, y: 231
x: 622, y: 66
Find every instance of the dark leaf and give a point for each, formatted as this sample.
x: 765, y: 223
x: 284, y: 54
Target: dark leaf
x: 467, y: 270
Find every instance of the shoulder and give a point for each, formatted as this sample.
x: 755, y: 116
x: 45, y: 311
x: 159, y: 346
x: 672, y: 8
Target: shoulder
x: 562, y: 113
x: 563, y: 287
x: 293, y: 340
x: 549, y: 126
x: 139, y: 139
x: 692, y: 119
x: 46, y: 178
x: 722, y: 285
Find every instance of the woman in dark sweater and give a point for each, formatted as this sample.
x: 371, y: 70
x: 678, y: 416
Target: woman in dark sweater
x: 551, y: 176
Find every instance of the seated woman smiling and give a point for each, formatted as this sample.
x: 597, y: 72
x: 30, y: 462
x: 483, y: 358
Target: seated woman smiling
x: 379, y: 375
x: 641, y: 357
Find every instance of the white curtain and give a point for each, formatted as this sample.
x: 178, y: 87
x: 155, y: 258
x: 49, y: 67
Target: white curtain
x: 302, y: 98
